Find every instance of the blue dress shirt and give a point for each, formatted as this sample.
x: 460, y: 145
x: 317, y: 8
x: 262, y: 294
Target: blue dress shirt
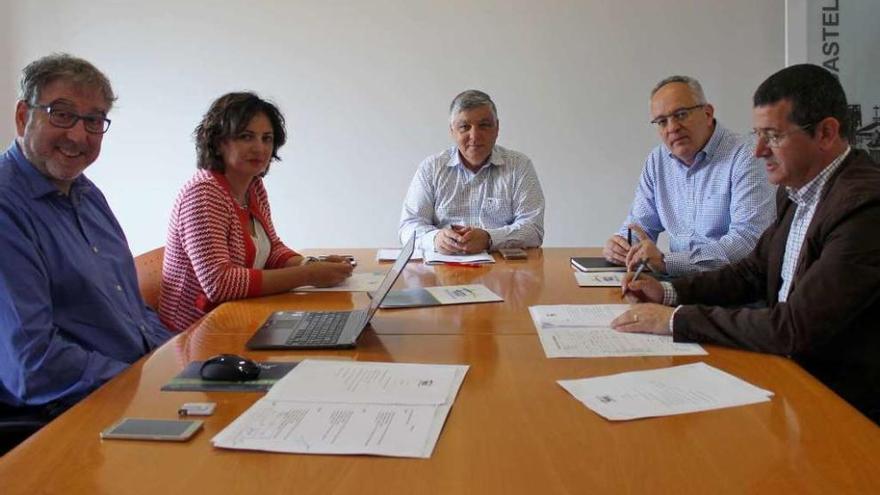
x: 71, y: 314
x: 714, y: 211
x: 504, y: 198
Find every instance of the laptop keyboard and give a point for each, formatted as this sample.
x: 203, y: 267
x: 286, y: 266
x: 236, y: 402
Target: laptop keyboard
x: 319, y: 329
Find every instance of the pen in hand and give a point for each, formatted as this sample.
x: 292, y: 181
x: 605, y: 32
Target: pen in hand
x: 639, y: 270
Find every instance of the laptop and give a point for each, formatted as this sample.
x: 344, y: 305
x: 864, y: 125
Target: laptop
x: 326, y: 329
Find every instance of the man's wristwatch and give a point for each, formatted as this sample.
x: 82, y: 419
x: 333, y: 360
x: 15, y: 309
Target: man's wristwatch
x: 308, y: 259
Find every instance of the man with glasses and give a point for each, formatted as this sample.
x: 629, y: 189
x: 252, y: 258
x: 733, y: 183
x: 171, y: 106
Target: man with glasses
x: 71, y: 314
x: 818, y: 264
x: 701, y: 185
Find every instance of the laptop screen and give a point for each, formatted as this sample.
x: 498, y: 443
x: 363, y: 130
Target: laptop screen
x: 391, y: 277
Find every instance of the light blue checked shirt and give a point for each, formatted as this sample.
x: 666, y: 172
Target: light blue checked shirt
x: 504, y: 198
x: 807, y: 199
x: 714, y: 211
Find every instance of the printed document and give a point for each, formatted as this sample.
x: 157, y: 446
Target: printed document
x: 344, y: 407
x: 463, y: 294
x: 357, y: 282
x: 663, y: 392
x: 599, y: 279
x: 434, y: 258
x: 568, y: 331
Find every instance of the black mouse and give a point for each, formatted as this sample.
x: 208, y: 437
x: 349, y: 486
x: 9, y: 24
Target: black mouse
x: 230, y: 368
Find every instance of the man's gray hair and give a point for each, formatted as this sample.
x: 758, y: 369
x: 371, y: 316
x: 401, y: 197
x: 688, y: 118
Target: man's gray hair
x: 469, y: 99
x: 41, y: 72
x: 693, y: 84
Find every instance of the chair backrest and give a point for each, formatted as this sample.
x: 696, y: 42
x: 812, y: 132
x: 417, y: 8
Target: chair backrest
x: 149, y: 273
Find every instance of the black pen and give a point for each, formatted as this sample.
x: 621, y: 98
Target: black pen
x: 629, y: 236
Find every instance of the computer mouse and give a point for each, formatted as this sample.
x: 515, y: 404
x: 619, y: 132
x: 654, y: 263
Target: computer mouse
x: 230, y: 368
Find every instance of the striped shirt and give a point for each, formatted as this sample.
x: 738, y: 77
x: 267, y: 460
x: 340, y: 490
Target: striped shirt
x: 209, y: 253
x: 714, y: 211
x: 504, y: 198
x: 807, y: 199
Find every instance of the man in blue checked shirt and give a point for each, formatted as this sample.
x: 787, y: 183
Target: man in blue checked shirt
x: 702, y: 185
x: 475, y: 195
x: 71, y: 314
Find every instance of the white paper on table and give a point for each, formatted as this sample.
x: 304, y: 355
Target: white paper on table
x: 663, y: 392
x: 400, y: 430
x: 568, y: 331
x: 599, y: 279
x: 461, y: 294
x: 392, y: 254
x: 607, y: 342
x: 576, y: 315
x: 366, y: 383
x: 358, y: 282
x: 331, y: 428
x: 433, y: 258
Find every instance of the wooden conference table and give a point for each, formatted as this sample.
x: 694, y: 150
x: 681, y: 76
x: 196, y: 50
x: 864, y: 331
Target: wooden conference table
x: 512, y: 428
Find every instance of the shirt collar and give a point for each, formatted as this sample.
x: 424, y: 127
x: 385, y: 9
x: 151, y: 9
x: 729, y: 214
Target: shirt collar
x: 809, y: 192
x: 495, y: 158
x: 38, y: 184
x: 708, y: 150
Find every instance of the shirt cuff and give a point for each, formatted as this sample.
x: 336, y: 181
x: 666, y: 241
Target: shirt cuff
x: 670, y: 297
x: 677, y: 263
x: 672, y: 320
x: 426, y: 242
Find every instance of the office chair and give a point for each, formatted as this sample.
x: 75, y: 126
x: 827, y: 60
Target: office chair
x: 149, y: 274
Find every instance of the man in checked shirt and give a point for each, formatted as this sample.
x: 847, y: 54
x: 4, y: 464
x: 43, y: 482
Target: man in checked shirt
x: 476, y: 195
x: 701, y: 185
x: 817, y: 265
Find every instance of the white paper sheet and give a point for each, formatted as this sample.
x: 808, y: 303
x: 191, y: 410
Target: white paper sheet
x: 433, y: 258
x: 396, y: 422
x: 331, y: 428
x: 569, y: 331
x: 365, y: 383
x: 599, y: 279
x: 606, y: 342
x: 663, y: 392
x: 358, y: 282
x: 392, y: 254
x: 463, y: 294
x: 576, y: 315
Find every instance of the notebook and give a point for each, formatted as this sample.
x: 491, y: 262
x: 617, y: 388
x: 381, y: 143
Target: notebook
x: 325, y: 329
x: 595, y: 264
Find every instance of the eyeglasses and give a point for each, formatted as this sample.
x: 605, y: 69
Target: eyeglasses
x: 773, y: 138
x: 65, y: 118
x: 679, y: 116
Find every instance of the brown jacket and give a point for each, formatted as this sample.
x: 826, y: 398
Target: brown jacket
x: 831, y: 321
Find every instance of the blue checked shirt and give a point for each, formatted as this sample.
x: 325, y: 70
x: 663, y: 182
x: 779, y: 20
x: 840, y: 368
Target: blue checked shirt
x: 807, y: 199
x: 714, y: 211
x: 504, y: 198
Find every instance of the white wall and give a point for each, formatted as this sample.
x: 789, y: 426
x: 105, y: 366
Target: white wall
x: 365, y: 87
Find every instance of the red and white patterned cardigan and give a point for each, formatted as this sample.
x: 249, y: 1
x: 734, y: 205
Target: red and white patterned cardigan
x: 209, y: 249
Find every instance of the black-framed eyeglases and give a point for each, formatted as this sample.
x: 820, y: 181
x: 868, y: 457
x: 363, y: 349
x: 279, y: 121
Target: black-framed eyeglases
x: 65, y: 118
x: 679, y: 116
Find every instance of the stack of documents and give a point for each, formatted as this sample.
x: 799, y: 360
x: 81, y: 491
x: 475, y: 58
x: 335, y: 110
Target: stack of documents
x: 585, y: 331
x: 439, y: 296
x: 392, y: 254
x: 599, y: 279
x: 433, y: 258
x: 664, y: 392
x: 344, y: 407
x: 358, y: 282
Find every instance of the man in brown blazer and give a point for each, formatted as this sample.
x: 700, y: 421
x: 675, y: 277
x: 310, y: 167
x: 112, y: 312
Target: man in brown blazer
x: 818, y: 264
